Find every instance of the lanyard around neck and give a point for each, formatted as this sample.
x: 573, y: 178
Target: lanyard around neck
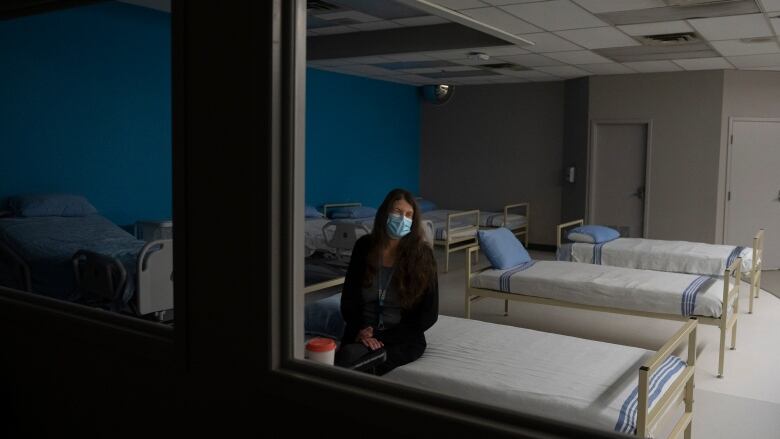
x: 382, y: 293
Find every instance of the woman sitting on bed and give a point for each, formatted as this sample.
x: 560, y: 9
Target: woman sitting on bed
x: 391, y: 293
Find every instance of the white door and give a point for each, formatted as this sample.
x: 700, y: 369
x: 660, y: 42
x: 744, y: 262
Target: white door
x: 753, y: 198
x: 618, y: 159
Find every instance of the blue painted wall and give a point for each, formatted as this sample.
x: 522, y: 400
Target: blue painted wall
x: 85, y: 107
x: 362, y: 138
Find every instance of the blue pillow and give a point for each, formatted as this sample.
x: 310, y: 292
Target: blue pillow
x: 593, y: 234
x: 426, y: 205
x: 312, y: 212
x: 352, y: 212
x: 323, y: 318
x: 35, y: 205
x: 502, y: 248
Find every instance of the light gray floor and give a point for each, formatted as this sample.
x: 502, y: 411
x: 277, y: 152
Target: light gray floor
x: 743, y: 404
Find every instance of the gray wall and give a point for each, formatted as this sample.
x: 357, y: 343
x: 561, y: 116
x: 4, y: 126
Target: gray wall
x: 685, y: 108
x: 491, y: 145
x: 575, y: 148
x: 745, y: 94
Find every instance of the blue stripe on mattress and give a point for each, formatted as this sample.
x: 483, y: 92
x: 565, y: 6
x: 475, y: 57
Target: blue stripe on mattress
x: 626, y: 422
x: 688, y: 302
x: 507, y: 275
x: 597, y: 253
x: 733, y: 255
x: 492, y: 219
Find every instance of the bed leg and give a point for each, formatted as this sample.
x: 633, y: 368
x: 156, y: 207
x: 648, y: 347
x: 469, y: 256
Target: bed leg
x: 506, y: 307
x: 468, y: 306
x: 758, y: 283
x: 447, y: 258
x: 722, y: 349
x: 752, y: 288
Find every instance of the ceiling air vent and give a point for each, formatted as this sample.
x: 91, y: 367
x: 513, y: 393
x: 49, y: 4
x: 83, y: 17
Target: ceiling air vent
x: 320, y: 5
x: 670, y: 39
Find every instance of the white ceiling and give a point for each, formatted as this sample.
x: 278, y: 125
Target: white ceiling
x: 568, y: 35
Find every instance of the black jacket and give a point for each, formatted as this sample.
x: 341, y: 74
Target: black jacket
x: 414, y: 322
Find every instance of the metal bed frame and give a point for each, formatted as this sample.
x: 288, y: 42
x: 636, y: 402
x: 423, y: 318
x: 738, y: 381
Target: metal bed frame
x: 726, y: 321
x: 753, y: 276
x: 525, y: 208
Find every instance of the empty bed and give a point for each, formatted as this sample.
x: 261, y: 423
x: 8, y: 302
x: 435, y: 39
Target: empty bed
x: 672, y: 256
x: 647, y: 293
x: 571, y: 379
x: 453, y: 229
x: 514, y: 217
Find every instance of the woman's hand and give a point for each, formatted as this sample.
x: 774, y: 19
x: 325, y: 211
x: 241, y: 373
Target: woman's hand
x: 366, y: 336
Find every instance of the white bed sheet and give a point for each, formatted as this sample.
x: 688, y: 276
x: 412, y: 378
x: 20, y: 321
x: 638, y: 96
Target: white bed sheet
x: 496, y: 219
x: 614, y: 287
x: 655, y: 254
x: 550, y: 375
x: 438, y: 218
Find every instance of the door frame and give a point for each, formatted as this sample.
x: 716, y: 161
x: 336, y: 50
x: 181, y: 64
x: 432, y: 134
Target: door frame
x: 592, y: 146
x: 729, y: 156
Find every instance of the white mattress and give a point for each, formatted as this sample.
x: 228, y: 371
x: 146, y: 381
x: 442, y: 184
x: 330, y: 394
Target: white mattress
x: 614, y: 287
x: 439, y: 220
x: 496, y: 219
x: 566, y: 378
x: 654, y: 254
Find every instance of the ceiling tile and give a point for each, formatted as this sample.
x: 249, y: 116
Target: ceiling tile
x: 770, y: 5
x: 507, y: 2
x: 733, y: 27
x: 703, y: 64
x: 606, y: 69
x: 653, y: 66
x: 598, y: 37
x: 376, y: 25
x: 750, y: 61
x: 476, y: 61
x: 459, y: 4
x: 363, y: 68
x: 598, y: 6
x: 332, y: 30
x: 369, y: 60
x: 457, y: 68
x: 578, y: 57
x: 448, y: 54
x: 774, y: 68
x: 531, y: 60
x: 554, y: 15
x: 507, y: 80
x: 500, y: 50
x: 409, y: 79
x: 420, y: 21
x: 564, y: 71
x: 352, y: 15
x: 422, y: 70
x: 549, y: 42
x: 740, y: 47
x: 664, y: 27
x: 500, y: 19
x: 408, y: 57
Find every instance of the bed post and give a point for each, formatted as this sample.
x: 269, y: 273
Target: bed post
x: 467, y: 312
x: 641, y: 408
x: 729, y: 320
x: 447, y: 255
x: 755, y: 269
x: 688, y: 398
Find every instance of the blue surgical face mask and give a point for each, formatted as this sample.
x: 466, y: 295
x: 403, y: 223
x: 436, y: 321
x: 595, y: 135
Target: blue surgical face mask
x: 398, y: 226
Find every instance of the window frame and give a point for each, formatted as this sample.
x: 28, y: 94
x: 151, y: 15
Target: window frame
x: 310, y: 383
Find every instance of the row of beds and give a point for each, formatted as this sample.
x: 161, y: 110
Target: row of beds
x: 601, y: 385
x: 89, y: 260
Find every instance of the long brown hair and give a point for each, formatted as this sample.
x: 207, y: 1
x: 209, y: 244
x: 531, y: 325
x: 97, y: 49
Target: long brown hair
x: 415, y: 265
